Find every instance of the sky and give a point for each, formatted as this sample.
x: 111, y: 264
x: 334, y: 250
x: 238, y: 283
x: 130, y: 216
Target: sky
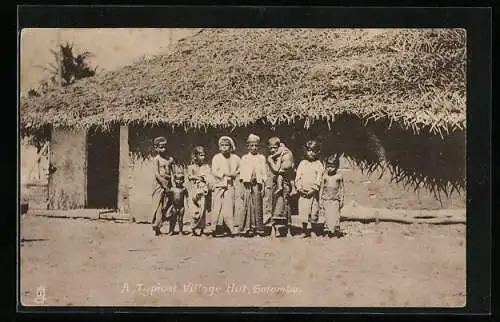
x: 112, y: 47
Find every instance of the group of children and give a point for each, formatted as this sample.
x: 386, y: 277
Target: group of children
x: 209, y: 195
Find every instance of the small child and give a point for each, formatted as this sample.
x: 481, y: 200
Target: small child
x: 178, y: 194
x: 199, y: 174
x: 308, y: 181
x: 332, y: 196
x: 162, y: 183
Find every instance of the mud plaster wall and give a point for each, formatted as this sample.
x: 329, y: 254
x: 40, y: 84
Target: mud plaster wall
x: 68, y: 154
x: 374, y: 190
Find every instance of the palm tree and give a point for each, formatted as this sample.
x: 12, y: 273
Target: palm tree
x: 66, y: 69
x: 73, y: 67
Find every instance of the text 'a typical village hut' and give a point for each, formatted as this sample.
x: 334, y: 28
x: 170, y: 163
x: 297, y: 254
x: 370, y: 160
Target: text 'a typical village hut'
x: 392, y: 98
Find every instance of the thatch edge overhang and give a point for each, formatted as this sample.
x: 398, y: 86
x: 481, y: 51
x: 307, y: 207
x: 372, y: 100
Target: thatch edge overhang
x: 440, y: 128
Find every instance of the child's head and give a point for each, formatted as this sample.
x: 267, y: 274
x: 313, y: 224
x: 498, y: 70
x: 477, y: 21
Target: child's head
x: 226, y: 145
x: 179, y: 178
x: 198, y: 155
x: 332, y: 164
x: 160, y: 145
x: 253, y: 143
x: 312, y: 150
x: 273, y: 144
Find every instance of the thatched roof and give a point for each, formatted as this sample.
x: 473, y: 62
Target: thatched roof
x: 235, y: 77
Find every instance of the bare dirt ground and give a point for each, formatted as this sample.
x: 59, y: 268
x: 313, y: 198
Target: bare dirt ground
x: 83, y: 262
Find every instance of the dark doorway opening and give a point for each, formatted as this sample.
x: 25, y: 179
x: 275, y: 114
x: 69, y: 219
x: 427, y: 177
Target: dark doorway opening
x: 103, y: 152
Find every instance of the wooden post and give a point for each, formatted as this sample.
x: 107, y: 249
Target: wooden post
x: 123, y: 177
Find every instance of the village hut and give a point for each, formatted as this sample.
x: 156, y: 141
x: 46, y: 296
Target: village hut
x: 385, y: 99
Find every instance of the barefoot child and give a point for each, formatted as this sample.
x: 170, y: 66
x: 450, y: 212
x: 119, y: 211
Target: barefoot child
x: 225, y: 169
x: 308, y: 180
x: 332, y: 196
x: 199, y: 176
x: 162, y: 171
x: 178, y: 194
x: 253, y: 175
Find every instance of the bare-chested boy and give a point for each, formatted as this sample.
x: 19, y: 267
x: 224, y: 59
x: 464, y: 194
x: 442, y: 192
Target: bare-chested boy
x: 162, y: 182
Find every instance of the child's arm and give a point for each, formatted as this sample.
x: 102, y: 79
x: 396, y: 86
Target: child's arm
x: 237, y: 170
x: 274, y: 165
x: 216, y: 168
x: 298, y: 178
x: 319, y: 177
x: 321, y: 188
x: 191, y: 173
x: 341, y: 191
x: 321, y: 191
x: 185, y: 194
x: 316, y: 183
x: 279, y: 166
x: 263, y: 170
x: 171, y: 171
x: 278, y: 152
x: 286, y: 162
x: 160, y: 179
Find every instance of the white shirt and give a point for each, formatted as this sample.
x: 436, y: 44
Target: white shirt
x: 253, y: 163
x: 309, y: 174
x: 221, y: 164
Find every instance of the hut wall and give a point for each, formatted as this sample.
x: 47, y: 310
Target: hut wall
x: 34, y: 176
x: 68, y: 184
x: 377, y: 190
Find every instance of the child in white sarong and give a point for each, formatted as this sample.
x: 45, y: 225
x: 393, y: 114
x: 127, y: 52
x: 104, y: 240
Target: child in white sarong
x: 253, y: 174
x: 332, y: 196
x: 225, y: 170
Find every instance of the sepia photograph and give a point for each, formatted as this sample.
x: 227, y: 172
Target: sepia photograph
x: 242, y: 167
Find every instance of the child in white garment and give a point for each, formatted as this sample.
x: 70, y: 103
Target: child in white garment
x: 308, y: 181
x: 331, y: 196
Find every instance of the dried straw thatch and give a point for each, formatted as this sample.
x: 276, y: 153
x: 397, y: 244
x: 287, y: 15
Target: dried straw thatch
x: 235, y: 77
x: 416, y: 161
